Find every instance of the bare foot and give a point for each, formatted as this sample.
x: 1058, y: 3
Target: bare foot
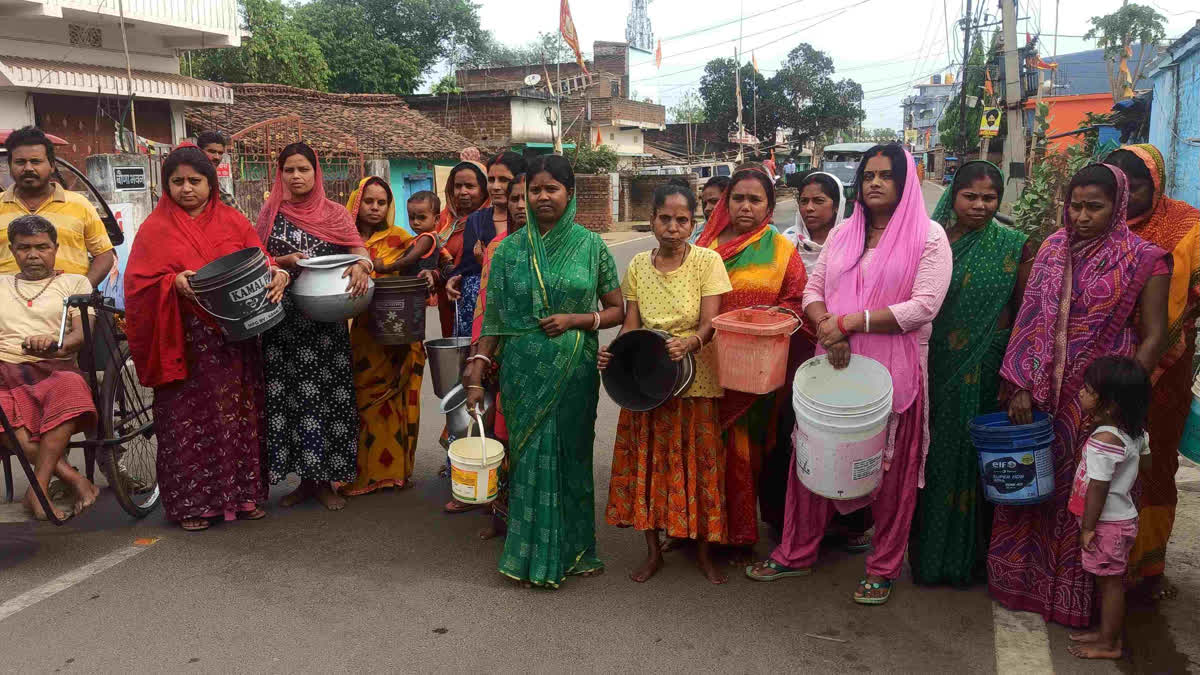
x: 742, y: 556
x: 1085, y: 636
x: 707, y: 567
x: 300, y: 494
x: 1095, y: 650
x: 35, y: 507
x: 648, y: 569
x: 495, y: 529
x: 85, y: 495
x: 592, y: 573
x: 330, y: 499
x: 194, y: 524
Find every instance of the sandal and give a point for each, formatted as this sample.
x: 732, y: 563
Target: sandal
x: 780, y: 571
x: 857, y: 543
x: 455, y: 506
x: 256, y: 514
x: 194, y: 524
x: 864, y: 587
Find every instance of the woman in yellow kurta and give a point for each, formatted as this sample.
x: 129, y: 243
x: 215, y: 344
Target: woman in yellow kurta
x: 387, y: 378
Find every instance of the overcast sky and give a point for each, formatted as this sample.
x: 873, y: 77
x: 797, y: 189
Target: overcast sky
x: 885, y: 45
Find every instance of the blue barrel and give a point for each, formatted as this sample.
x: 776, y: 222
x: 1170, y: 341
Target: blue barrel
x: 1015, y: 463
x: 1189, y: 445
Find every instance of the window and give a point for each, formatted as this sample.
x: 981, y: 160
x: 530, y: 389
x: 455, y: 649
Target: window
x: 85, y: 36
x: 722, y: 170
x: 612, y: 136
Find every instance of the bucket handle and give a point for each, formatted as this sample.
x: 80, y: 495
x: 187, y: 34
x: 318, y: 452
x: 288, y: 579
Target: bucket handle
x: 774, y: 308
x: 482, y: 438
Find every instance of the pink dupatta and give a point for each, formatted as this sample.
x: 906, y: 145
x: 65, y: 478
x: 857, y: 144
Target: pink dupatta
x: 322, y: 218
x: 849, y: 289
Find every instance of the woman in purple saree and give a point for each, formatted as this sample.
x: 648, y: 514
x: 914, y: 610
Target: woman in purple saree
x: 1096, y: 289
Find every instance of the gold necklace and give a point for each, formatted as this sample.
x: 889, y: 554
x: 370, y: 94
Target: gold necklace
x: 29, y: 301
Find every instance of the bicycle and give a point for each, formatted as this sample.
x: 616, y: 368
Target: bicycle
x: 123, y: 440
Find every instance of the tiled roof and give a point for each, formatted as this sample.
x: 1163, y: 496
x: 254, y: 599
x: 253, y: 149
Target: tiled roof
x: 382, y: 125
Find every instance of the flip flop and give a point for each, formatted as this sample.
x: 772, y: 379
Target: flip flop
x: 256, y: 514
x: 203, y: 525
x: 863, y: 545
x: 780, y: 571
x: 886, y: 585
x: 455, y: 506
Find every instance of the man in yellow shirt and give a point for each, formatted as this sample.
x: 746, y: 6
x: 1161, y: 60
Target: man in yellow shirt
x: 84, y: 247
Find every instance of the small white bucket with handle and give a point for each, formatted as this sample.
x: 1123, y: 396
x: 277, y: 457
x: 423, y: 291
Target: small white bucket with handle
x: 475, y: 466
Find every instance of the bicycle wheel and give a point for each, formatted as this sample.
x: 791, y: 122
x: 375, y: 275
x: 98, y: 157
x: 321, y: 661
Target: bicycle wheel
x: 126, y: 408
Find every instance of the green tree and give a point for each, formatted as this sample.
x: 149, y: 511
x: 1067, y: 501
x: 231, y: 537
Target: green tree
x: 1116, y: 32
x: 488, y: 52
x: 360, y: 59
x: 447, y: 85
x: 951, y: 128
x: 429, y: 29
x: 585, y: 158
x: 719, y: 94
x: 689, y: 110
x: 276, y: 51
x: 817, y: 105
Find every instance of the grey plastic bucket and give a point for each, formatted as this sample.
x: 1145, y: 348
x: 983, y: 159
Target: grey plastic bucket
x: 396, y: 315
x: 233, y: 290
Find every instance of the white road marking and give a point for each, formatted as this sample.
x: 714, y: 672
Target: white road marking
x: 630, y: 241
x: 62, y: 583
x: 1022, y: 642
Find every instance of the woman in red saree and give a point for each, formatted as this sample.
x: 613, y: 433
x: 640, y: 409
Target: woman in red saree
x: 464, y: 194
x: 208, y: 393
x: 1096, y: 289
x: 764, y: 269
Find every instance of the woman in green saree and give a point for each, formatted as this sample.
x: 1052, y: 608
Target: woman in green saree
x: 952, y: 525
x: 541, y: 320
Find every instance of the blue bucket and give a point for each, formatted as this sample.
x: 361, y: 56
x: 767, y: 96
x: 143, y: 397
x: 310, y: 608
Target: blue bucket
x: 1189, y: 445
x: 1015, y: 462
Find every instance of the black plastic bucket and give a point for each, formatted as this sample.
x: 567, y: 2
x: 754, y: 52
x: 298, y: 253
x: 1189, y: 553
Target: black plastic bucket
x: 396, y: 315
x: 641, y: 375
x: 233, y: 289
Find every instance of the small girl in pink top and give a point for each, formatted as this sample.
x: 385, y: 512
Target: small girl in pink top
x: 1116, y: 393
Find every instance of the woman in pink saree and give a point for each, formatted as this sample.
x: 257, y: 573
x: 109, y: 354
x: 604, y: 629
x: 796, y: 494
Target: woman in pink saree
x: 1096, y: 289
x: 879, y: 305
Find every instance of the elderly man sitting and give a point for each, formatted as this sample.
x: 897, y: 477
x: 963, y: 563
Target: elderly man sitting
x: 42, y: 392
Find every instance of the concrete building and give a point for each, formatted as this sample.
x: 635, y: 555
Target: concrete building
x: 923, y: 111
x: 1175, y: 114
x: 63, y: 67
x: 596, y: 107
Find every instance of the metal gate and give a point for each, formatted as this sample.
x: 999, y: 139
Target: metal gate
x: 253, y: 152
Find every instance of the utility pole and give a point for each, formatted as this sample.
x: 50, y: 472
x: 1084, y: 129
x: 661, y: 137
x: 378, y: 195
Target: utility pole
x: 962, y: 83
x: 1014, y: 142
x: 737, y: 70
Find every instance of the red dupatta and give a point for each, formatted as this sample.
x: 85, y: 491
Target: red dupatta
x: 324, y: 219
x: 169, y: 242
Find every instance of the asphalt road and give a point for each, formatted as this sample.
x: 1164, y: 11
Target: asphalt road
x: 393, y: 584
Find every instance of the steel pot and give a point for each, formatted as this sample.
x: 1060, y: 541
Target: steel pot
x: 320, y: 290
x: 454, y: 407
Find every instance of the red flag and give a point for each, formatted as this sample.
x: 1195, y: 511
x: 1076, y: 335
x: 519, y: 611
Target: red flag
x: 599, y: 138
x: 658, y: 55
x: 566, y: 26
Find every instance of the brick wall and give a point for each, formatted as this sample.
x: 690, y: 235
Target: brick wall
x: 74, y: 119
x: 593, y: 196
x: 637, y: 194
x: 486, y: 122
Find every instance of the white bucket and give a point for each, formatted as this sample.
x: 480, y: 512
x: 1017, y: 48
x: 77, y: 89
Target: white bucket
x: 841, y: 425
x: 475, y: 467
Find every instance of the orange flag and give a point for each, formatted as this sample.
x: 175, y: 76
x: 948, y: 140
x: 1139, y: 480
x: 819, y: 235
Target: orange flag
x: 754, y: 60
x: 599, y: 138
x: 987, y: 84
x: 658, y: 55
x: 566, y: 26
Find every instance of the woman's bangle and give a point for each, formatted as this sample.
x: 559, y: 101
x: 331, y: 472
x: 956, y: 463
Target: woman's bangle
x: 481, y: 357
x: 476, y: 386
x: 596, y: 321
x: 699, y: 342
x: 867, y: 321
x: 370, y: 266
x: 841, y: 324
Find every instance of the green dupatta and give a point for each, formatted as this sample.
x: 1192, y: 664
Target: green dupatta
x: 953, y: 523
x: 549, y: 388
